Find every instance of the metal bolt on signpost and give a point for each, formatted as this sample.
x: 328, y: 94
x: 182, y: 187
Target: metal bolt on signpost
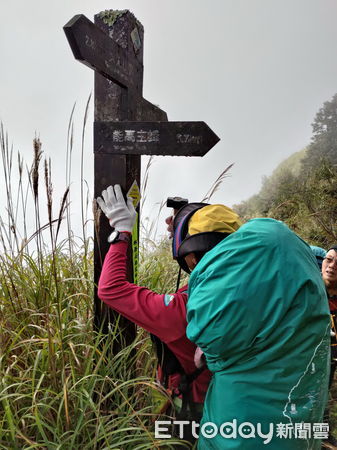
x: 126, y: 125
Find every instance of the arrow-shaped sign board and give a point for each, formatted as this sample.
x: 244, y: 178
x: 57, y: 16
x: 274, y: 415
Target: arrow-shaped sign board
x: 154, y: 138
x: 95, y: 49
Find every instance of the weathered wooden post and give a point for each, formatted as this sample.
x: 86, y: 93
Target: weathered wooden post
x: 126, y: 125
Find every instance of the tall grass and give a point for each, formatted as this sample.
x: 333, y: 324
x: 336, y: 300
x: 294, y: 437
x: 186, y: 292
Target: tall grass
x: 60, y: 386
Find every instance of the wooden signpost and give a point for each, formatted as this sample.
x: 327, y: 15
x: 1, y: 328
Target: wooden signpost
x: 126, y: 125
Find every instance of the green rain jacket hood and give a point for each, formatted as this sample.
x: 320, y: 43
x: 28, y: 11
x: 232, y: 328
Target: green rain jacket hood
x: 257, y: 308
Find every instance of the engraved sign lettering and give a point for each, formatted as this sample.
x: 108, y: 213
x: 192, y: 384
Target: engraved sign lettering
x: 135, y: 136
x: 89, y: 42
x: 188, y: 139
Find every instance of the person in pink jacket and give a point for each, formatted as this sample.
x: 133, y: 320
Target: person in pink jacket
x: 163, y: 315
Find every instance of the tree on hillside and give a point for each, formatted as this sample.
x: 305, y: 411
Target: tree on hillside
x: 308, y: 205
x: 276, y: 189
x: 311, y: 211
x: 302, y: 191
x: 324, y: 139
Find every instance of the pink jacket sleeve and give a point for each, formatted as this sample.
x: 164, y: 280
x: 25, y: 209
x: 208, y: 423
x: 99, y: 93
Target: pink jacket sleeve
x: 162, y: 315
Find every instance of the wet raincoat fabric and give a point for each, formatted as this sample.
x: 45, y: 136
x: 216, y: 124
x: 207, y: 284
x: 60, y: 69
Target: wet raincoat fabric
x: 257, y: 308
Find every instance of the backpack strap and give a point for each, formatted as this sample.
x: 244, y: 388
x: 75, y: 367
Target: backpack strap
x: 170, y: 364
x: 167, y: 360
x: 186, y: 392
x: 187, y: 379
x: 178, y: 279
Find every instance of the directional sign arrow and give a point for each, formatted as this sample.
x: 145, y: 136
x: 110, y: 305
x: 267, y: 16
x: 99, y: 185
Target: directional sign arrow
x: 91, y: 46
x: 94, y: 48
x: 154, y: 138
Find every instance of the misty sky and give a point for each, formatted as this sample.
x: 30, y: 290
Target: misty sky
x: 256, y: 71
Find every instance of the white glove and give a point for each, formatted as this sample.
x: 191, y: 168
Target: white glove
x: 121, y: 215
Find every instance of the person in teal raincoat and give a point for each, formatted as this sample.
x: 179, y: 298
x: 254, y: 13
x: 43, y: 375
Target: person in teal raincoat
x: 257, y: 309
